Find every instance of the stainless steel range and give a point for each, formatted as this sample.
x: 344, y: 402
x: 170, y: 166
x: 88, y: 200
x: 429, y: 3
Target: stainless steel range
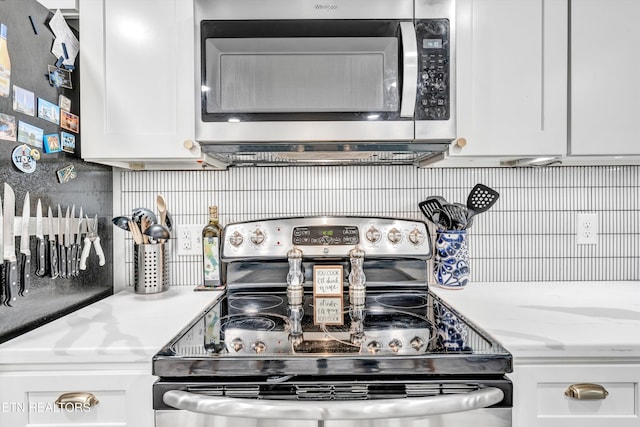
x: 328, y: 321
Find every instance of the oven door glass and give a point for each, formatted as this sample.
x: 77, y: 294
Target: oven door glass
x: 339, y: 70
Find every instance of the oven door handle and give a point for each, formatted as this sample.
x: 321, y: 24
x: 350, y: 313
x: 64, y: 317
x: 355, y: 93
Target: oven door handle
x: 333, y: 410
x: 410, y: 67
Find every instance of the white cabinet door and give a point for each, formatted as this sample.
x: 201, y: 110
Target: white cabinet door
x: 137, y: 79
x: 605, y: 77
x: 512, y: 77
x: 540, y: 400
x: 124, y: 399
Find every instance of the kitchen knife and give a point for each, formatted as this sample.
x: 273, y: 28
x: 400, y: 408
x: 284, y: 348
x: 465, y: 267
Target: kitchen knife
x: 67, y: 240
x: 2, y: 295
x: 25, y: 252
x: 53, y: 250
x: 62, y: 253
x: 9, y: 244
x: 76, y: 246
x: 41, y: 251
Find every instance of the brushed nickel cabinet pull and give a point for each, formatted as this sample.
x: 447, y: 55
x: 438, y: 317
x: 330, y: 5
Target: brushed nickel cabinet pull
x: 77, y: 398
x: 586, y: 391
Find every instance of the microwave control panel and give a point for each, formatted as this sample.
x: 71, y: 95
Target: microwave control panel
x: 434, y: 70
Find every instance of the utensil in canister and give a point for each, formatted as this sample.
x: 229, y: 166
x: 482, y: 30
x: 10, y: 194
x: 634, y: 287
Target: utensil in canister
x: 432, y: 208
x: 161, y: 203
x: 121, y: 222
x: 135, y: 232
x: 168, y: 221
x: 457, y: 214
x: 157, y: 232
x: 139, y: 213
x: 480, y: 199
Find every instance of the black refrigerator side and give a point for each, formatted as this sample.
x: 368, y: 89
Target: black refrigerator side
x: 32, y: 160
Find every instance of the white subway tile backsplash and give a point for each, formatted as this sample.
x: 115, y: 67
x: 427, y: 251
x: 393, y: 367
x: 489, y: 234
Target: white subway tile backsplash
x: 529, y: 235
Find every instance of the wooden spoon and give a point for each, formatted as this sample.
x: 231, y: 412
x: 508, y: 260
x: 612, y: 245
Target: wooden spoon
x: 161, y: 202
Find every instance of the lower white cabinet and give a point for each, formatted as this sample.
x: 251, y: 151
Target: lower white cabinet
x: 540, y: 400
x: 124, y: 398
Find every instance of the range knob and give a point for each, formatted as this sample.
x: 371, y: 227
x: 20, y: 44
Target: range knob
x: 258, y: 347
x: 374, y: 347
x: 394, y: 236
x: 373, y: 234
x: 395, y: 345
x: 257, y: 237
x: 236, y: 238
x: 416, y: 237
x: 417, y: 343
x: 237, y: 344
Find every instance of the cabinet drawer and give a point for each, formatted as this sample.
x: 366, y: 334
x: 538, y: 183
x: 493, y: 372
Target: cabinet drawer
x: 108, y: 410
x: 540, y: 400
x: 621, y: 400
x: 124, y: 398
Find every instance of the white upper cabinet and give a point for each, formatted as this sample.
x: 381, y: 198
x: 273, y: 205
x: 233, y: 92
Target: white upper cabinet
x: 512, y: 77
x: 137, y: 79
x: 605, y: 77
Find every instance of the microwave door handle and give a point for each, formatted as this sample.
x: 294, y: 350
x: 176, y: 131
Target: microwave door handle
x: 410, y: 67
x: 333, y: 410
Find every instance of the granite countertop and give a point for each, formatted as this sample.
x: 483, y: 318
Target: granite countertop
x: 561, y: 320
x: 123, y: 328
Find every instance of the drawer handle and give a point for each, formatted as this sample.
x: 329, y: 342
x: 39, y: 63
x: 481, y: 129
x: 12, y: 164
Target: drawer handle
x: 74, y: 399
x: 586, y: 391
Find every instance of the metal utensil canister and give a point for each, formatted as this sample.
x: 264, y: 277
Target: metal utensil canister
x: 151, y: 269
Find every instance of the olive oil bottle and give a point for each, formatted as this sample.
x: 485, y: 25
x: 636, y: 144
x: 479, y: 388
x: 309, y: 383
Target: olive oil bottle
x: 211, y: 234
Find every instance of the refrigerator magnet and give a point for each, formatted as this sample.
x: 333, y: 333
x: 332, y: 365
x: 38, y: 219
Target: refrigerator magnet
x: 48, y: 111
x: 68, y: 142
x: 24, y: 101
x: 30, y: 134
x: 64, y: 103
x: 69, y: 121
x: 8, y: 130
x: 52, y: 143
x: 23, y: 158
x: 66, y: 174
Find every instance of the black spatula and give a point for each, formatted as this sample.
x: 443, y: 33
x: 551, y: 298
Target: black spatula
x: 432, y: 209
x: 480, y: 199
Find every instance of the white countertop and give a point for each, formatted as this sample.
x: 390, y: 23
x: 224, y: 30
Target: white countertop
x: 565, y: 320
x: 555, y: 320
x: 123, y: 328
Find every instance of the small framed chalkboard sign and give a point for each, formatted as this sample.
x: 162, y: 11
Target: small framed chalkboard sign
x: 327, y: 311
x: 327, y: 280
x: 327, y: 294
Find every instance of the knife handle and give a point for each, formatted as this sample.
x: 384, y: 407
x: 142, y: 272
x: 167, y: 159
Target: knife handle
x: 85, y: 253
x: 78, y: 253
x: 62, y: 261
x: 99, y: 251
x: 2, y: 281
x: 74, y: 260
x: 53, y: 259
x: 10, y: 277
x: 25, y: 273
x: 69, y: 261
x: 40, y: 258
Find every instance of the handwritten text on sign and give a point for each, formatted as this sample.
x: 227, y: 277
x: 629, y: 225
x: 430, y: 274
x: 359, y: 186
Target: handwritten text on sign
x: 327, y: 280
x: 327, y: 311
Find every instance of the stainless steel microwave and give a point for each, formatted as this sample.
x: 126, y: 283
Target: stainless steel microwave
x: 349, y: 76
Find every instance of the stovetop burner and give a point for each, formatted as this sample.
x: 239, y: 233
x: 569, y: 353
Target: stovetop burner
x: 255, y: 303
x: 401, y: 300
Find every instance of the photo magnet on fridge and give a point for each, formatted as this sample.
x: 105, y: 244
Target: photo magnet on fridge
x: 8, y: 130
x: 66, y: 174
x: 48, y: 111
x: 52, y: 143
x: 24, y: 101
x: 59, y: 77
x: 68, y: 142
x: 64, y: 103
x: 69, y: 121
x: 30, y: 134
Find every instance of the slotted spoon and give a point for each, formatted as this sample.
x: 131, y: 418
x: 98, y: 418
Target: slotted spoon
x: 480, y: 199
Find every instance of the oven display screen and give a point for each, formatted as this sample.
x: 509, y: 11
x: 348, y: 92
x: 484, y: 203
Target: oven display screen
x: 322, y: 236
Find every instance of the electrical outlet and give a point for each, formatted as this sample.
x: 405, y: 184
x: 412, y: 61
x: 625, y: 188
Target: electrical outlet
x: 189, y: 239
x: 586, y: 228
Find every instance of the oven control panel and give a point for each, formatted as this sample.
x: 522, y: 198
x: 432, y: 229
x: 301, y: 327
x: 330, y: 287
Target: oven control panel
x: 326, y: 237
